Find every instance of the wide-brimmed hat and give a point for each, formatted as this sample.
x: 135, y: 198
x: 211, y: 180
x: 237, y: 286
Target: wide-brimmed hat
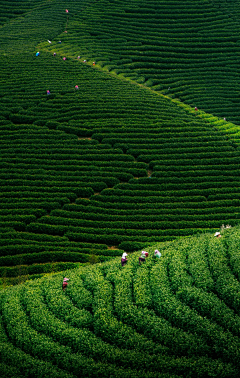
x: 217, y: 233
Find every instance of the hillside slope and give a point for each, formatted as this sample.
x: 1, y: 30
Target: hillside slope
x: 184, y: 49
x: 87, y: 173
x: 177, y: 316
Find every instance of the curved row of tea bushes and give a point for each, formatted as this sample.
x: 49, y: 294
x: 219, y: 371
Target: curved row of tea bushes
x: 37, y: 269
x: 10, y: 11
x: 39, y: 344
x: 161, y: 319
x: 20, y: 364
x: 53, y: 256
x: 233, y: 254
x: 28, y: 254
x: 142, y: 226
x: 129, y: 216
x: 226, y: 285
x: 182, y: 279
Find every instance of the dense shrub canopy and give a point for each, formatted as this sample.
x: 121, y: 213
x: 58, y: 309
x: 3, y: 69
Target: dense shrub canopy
x: 177, y: 316
x: 103, y: 152
x: 112, y: 165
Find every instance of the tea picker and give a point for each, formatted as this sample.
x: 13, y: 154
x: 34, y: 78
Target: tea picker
x: 65, y: 283
x: 124, y: 259
x: 142, y: 258
x: 157, y: 254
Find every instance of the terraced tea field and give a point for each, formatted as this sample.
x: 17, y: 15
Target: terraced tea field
x: 177, y: 316
x: 87, y: 173
x: 110, y: 164
x: 102, y: 151
x: 187, y: 50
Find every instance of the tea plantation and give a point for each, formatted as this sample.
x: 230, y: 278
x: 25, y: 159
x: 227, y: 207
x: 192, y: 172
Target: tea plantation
x: 103, y: 151
x: 177, y: 316
x: 187, y: 50
x: 93, y: 164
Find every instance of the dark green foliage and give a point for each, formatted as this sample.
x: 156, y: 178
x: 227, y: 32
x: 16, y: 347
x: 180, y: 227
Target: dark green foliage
x: 131, y: 246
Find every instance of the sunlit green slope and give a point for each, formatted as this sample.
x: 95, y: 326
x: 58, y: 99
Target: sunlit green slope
x: 87, y: 173
x: 185, y: 49
x: 177, y: 316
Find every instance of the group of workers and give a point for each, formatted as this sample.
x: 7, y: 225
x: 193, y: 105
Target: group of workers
x: 142, y: 257
x: 157, y: 254
x: 124, y: 260
x: 64, y: 58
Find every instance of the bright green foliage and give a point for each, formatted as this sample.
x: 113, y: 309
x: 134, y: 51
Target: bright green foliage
x: 154, y: 320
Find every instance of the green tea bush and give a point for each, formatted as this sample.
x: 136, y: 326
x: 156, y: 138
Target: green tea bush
x: 166, y: 308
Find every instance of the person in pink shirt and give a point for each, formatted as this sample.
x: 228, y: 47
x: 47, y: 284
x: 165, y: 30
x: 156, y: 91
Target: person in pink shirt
x: 65, y: 283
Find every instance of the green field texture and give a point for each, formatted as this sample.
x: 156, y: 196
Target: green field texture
x: 177, y: 316
x: 121, y: 164
x: 185, y: 50
x: 114, y: 165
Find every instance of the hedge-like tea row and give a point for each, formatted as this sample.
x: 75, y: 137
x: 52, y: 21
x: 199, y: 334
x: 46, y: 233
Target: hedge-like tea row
x: 10, y: 237
x: 20, y: 270
x: 164, y: 315
x: 143, y: 226
x: 54, y: 256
